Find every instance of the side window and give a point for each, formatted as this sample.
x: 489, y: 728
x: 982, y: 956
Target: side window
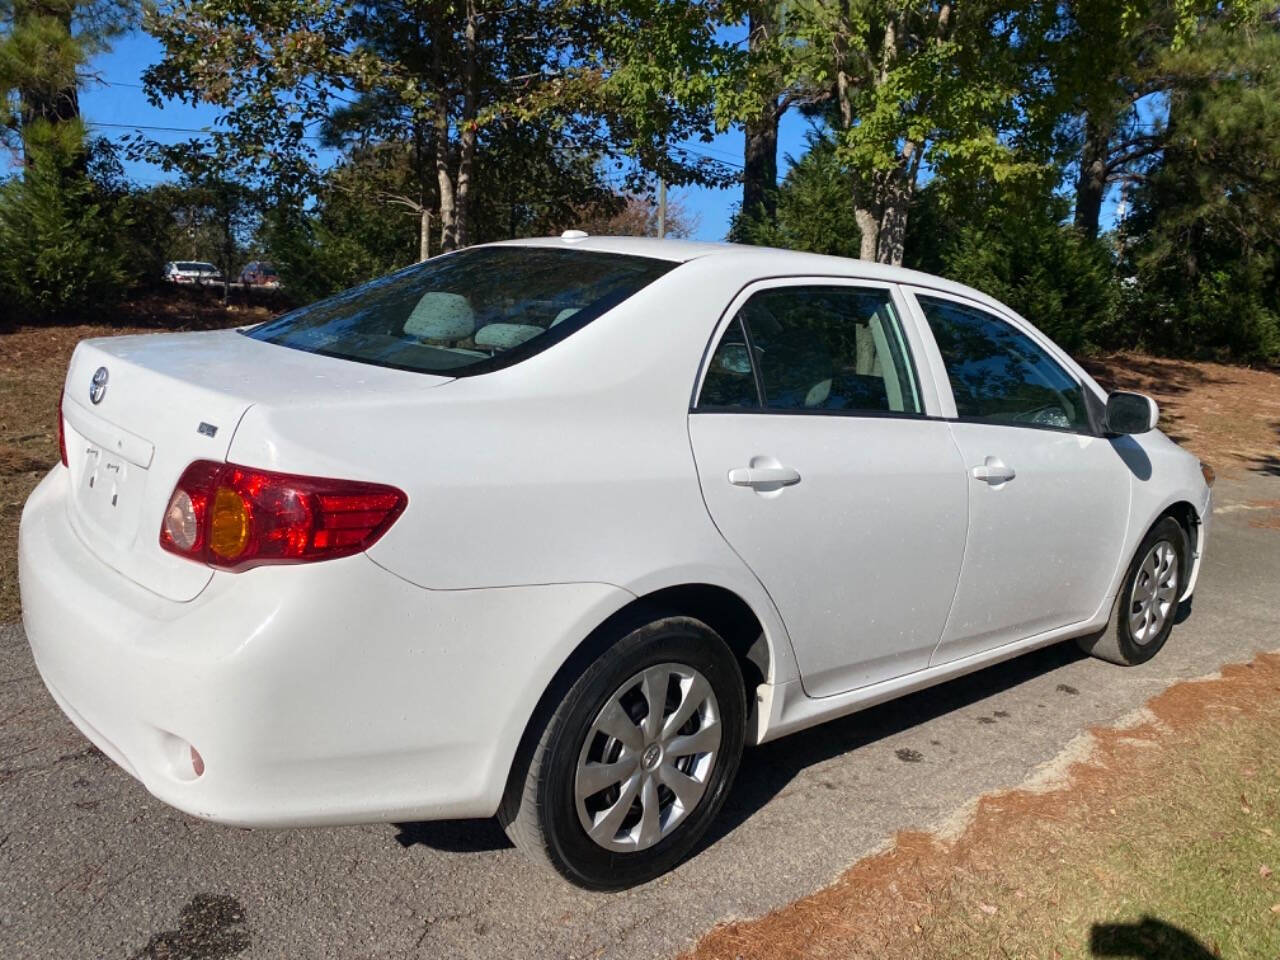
x: 730, y: 381
x: 999, y: 374
x: 830, y: 348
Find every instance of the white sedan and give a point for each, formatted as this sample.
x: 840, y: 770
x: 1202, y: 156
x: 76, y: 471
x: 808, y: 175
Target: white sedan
x: 191, y: 271
x: 552, y: 529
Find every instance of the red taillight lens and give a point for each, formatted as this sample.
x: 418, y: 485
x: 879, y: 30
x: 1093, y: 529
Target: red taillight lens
x: 62, y: 435
x: 235, y: 517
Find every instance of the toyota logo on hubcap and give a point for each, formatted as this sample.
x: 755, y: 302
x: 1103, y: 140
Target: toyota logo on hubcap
x: 98, y: 385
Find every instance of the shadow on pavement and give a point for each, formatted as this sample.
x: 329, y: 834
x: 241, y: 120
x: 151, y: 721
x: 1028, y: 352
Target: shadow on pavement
x: 767, y: 770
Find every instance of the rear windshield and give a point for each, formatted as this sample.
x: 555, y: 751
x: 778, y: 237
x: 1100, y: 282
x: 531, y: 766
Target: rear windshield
x: 195, y: 265
x: 468, y: 312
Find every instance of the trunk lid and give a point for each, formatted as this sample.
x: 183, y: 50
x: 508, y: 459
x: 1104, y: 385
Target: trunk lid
x: 164, y: 401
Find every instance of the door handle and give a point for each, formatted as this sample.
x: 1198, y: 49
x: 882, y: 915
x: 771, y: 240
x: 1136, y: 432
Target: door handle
x: 763, y: 476
x: 994, y: 471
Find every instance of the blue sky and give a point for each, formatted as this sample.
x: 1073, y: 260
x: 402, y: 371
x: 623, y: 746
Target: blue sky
x: 114, y: 104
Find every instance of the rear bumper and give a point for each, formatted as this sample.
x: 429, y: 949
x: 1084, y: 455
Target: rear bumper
x: 333, y: 692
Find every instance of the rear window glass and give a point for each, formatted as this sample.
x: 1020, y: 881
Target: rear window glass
x: 468, y: 312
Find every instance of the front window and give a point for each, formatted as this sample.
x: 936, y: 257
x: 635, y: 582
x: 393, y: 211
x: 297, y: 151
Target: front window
x: 1000, y: 375
x: 468, y: 312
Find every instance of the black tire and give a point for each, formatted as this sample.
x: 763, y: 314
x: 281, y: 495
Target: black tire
x: 541, y: 810
x: 1117, y: 642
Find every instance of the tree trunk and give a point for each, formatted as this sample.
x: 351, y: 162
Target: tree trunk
x: 893, y: 228
x: 1091, y: 184
x: 760, y: 165
x: 444, y: 178
x: 869, y: 227
x: 760, y: 155
x: 424, y: 233
x: 467, y: 129
x: 448, y: 211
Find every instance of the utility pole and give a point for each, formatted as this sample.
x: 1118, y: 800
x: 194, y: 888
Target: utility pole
x: 662, y: 208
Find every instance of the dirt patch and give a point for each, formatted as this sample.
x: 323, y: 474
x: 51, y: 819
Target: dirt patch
x: 1228, y: 416
x: 1268, y: 515
x: 1184, y: 797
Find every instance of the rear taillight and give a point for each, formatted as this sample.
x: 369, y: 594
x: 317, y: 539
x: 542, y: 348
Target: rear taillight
x: 234, y: 517
x: 62, y: 435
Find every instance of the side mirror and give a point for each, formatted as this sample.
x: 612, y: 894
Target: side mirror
x: 1130, y: 413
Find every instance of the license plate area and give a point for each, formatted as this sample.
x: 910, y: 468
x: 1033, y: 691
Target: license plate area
x: 109, y: 493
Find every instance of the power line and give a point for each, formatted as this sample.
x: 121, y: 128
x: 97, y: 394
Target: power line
x: 142, y: 126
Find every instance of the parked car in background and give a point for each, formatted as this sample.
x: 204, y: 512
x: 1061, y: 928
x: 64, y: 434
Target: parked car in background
x: 191, y: 271
x: 260, y: 273
x: 552, y: 529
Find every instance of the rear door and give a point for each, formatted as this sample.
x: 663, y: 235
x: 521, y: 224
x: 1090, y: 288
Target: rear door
x: 1048, y: 495
x: 822, y: 467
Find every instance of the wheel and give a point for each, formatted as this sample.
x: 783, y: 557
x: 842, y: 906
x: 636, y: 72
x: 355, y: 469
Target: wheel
x: 1147, y: 602
x: 636, y: 759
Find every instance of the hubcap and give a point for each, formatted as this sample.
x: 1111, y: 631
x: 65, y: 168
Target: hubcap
x: 647, y: 758
x: 1155, y: 593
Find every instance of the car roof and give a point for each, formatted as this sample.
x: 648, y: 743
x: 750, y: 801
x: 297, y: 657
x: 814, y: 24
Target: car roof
x: 761, y: 262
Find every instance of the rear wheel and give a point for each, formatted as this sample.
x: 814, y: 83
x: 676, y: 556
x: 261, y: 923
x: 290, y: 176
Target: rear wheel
x: 1147, y: 603
x: 636, y: 759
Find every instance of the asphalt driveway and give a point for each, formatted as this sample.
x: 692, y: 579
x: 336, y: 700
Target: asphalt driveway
x: 92, y: 866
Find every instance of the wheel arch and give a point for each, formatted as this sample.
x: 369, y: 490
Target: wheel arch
x: 1189, y: 519
x: 720, y: 608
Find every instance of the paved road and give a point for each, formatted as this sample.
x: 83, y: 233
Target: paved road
x: 92, y: 866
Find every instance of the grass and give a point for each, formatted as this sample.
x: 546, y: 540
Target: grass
x: 1158, y: 843
x: 1142, y: 877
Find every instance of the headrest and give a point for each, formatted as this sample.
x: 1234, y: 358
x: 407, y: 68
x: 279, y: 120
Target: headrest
x: 504, y: 336
x: 441, y: 316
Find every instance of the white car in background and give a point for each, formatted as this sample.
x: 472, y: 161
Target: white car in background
x: 552, y: 529
x: 191, y: 271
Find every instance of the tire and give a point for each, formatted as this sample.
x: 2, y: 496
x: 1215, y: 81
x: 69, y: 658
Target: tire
x: 1142, y: 616
x: 547, y: 812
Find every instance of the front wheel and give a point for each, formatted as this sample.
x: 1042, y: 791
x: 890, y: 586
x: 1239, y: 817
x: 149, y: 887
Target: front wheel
x: 635, y: 761
x: 1147, y: 603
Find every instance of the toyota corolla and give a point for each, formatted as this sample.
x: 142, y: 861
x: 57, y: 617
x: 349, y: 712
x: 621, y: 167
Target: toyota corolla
x: 551, y: 530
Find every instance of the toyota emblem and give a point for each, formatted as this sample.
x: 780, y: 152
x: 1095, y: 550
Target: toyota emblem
x: 98, y: 385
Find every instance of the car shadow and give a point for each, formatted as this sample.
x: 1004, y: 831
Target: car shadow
x: 768, y: 769
x: 453, y: 836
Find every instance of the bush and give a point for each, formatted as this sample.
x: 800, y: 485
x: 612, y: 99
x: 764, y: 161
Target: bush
x: 1018, y: 250
x: 60, y: 251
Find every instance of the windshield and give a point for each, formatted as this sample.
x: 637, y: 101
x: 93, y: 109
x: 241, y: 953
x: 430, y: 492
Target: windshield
x: 192, y: 265
x: 468, y: 312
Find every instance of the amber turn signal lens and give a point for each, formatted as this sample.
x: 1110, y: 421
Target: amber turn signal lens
x: 229, y: 525
x: 1208, y: 473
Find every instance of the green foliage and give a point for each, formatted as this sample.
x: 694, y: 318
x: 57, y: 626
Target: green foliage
x: 60, y: 249
x: 1018, y: 250
x: 815, y: 211
x: 1205, y: 252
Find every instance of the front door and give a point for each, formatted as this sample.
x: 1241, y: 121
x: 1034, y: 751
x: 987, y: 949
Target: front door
x: 1048, y: 496
x: 821, y: 469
